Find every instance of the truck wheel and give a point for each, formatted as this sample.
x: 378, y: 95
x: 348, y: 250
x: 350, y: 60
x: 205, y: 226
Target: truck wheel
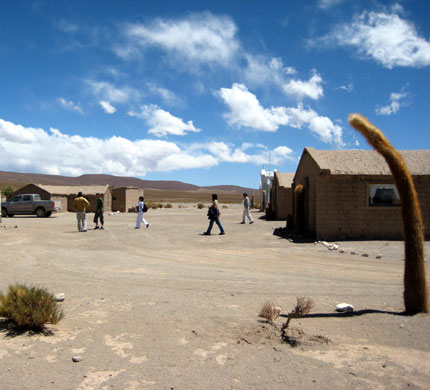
x: 40, y: 212
x: 3, y: 212
x: 10, y: 215
x: 48, y: 214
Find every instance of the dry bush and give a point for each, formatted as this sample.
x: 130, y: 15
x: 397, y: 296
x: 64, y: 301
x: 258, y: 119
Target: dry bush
x: 224, y: 206
x: 270, y: 312
x: 168, y: 206
x: 200, y: 205
x: 154, y: 205
x: 29, y: 307
x: 303, y: 306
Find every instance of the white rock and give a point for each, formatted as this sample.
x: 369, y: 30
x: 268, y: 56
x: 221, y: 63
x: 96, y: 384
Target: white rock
x: 335, y: 247
x: 353, y: 252
x: 344, y: 307
x: 60, y: 297
x: 379, y: 256
x: 77, y: 359
x: 341, y: 251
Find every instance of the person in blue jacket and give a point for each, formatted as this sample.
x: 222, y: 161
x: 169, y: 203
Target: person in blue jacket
x: 213, y: 216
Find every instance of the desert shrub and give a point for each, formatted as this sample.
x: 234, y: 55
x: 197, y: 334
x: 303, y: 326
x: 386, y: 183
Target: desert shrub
x: 200, y: 205
x: 270, y: 312
x: 154, y: 205
x: 29, y: 307
x: 224, y: 206
x: 303, y: 306
x: 168, y: 206
x: 256, y: 205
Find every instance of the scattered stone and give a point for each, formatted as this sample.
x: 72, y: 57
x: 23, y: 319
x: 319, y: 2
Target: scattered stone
x: 353, y: 252
x: 344, y: 308
x: 365, y: 255
x: 379, y: 256
x: 341, y: 251
x: 77, y: 359
x: 402, y: 326
x: 60, y: 297
x: 16, y: 226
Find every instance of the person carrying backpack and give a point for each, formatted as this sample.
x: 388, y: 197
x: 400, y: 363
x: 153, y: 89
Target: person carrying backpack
x: 213, y: 216
x: 141, y: 208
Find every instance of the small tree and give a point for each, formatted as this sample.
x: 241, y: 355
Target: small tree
x: 8, y: 191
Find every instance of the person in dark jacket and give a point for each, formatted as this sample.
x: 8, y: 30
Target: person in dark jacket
x: 213, y: 215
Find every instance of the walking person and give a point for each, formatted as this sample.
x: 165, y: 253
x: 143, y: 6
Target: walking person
x: 98, y: 215
x: 213, y: 216
x: 246, y: 208
x: 81, y: 205
x: 141, y: 208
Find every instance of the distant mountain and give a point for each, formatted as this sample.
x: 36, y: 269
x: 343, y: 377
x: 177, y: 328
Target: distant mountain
x: 115, y: 181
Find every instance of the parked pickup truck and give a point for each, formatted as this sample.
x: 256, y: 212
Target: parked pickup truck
x: 28, y: 204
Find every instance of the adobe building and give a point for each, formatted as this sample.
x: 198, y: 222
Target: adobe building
x: 350, y: 194
x: 124, y: 198
x: 64, y: 195
x: 281, y: 203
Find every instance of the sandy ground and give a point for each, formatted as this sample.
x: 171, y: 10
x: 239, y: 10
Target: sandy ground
x: 169, y: 308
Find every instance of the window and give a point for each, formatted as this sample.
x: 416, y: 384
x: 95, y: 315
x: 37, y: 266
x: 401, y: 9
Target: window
x: 26, y: 198
x: 383, y: 195
x: 16, y: 198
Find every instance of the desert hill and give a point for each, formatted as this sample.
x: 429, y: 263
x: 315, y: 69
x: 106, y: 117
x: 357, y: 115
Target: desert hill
x: 17, y: 180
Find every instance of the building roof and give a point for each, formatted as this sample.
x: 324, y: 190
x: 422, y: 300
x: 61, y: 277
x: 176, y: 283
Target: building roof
x: 284, y: 179
x: 67, y: 190
x: 368, y: 162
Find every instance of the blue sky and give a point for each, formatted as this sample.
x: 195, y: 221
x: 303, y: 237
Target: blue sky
x: 205, y: 92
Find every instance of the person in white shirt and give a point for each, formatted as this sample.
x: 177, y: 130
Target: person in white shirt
x: 140, y: 210
x: 246, y: 207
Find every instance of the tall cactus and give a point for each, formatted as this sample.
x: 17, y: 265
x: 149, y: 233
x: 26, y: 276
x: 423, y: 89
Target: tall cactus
x: 415, y: 288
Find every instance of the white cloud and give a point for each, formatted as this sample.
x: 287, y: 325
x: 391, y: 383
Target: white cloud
x: 261, y: 70
x: 201, y: 37
x: 348, y: 87
x: 66, y: 26
x: 53, y: 152
x: 108, y: 92
x: 69, y: 105
x: 107, y: 107
x: 166, y: 95
x: 246, y: 111
x: 397, y: 100
x: 301, y: 89
x: 163, y: 123
x: 388, y: 39
x: 326, y: 4
x: 261, y: 155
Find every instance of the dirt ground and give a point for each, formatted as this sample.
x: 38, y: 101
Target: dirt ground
x: 170, y: 308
